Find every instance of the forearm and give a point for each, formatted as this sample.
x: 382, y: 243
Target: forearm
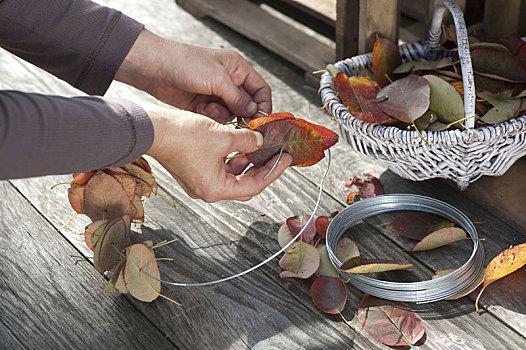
x: 78, y: 41
x: 42, y: 135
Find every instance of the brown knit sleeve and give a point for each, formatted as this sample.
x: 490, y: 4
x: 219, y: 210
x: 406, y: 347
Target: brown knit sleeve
x: 78, y: 41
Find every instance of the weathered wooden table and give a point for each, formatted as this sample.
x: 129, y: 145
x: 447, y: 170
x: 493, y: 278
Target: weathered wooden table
x: 50, y: 295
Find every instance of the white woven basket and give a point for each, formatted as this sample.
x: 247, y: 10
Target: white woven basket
x: 461, y: 156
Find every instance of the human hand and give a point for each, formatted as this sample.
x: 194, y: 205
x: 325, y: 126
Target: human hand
x: 193, y: 148
x: 212, y: 82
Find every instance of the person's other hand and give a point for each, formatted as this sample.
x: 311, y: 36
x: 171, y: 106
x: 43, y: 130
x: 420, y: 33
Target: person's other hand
x: 217, y: 83
x: 193, y: 149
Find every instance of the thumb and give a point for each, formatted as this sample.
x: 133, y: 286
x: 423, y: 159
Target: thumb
x: 245, y: 140
x: 237, y: 100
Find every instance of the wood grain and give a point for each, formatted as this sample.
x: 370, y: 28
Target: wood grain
x: 51, y: 298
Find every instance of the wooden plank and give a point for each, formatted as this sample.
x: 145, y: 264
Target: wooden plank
x: 504, y: 196
x: 503, y: 18
x: 50, y: 301
x: 8, y: 339
x: 347, y: 28
x: 279, y: 37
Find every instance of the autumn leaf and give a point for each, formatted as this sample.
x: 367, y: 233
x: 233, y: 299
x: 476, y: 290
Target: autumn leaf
x: 504, y: 107
x: 328, y: 294
x: 110, y: 286
x: 296, y: 223
x: 142, y: 178
x: 104, y: 198
x: 81, y: 179
x: 76, y: 198
x: 498, y: 65
x: 437, y: 126
x: 427, y: 118
x: 284, y: 235
x: 138, y: 271
x: 113, y: 240
x: 386, y: 57
x: 326, y: 268
x: 414, y: 66
x: 445, y: 100
x: 440, y: 238
x: 369, y: 186
x: 390, y: 322
x: 93, y: 231
x: 346, y: 249
x: 143, y: 164
x: 373, y: 267
x: 300, y: 261
x: 502, y: 265
x: 358, y: 94
x: 304, y: 141
x: 417, y: 224
x: 406, y: 99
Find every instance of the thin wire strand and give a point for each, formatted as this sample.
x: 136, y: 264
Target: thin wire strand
x: 275, y: 164
x: 266, y: 260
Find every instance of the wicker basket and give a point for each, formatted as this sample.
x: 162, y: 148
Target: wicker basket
x: 461, y: 156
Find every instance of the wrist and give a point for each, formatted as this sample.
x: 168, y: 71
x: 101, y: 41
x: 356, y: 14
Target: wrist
x: 159, y: 123
x: 142, y: 65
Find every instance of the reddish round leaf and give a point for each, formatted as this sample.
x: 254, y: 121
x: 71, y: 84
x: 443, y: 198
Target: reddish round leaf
x: 328, y: 294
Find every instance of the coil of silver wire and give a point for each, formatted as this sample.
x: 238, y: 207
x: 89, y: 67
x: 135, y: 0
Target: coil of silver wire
x: 419, y: 292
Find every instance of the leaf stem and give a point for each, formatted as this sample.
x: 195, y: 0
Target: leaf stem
x: 347, y: 322
x: 327, y: 103
x: 166, y: 199
x: 67, y: 222
x: 478, y: 297
x: 164, y: 243
x: 419, y: 133
x: 319, y: 71
x: 396, y: 326
x: 60, y: 183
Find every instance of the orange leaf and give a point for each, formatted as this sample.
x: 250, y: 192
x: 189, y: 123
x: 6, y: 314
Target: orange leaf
x: 386, y: 57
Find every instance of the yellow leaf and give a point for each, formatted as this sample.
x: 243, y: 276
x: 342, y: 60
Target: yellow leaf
x: 503, y: 264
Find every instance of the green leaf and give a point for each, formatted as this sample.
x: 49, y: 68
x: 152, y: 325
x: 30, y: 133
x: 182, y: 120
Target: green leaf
x: 423, y: 122
x: 93, y: 231
x: 409, y: 67
x: 437, y: 126
x: 440, y: 238
x: 406, y: 99
x: 390, y: 322
x: 445, y: 100
x: 301, y: 261
x: 326, y: 268
x: 504, y: 107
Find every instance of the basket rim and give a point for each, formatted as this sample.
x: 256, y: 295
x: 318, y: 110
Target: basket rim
x: 389, y: 132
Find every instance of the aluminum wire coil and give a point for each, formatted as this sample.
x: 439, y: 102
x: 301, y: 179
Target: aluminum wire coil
x: 419, y: 292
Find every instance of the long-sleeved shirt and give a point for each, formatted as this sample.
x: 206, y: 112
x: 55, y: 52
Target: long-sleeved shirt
x: 83, y: 44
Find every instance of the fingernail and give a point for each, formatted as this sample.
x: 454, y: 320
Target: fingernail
x: 259, y: 139
x: 215, y: 113
x: 251, y: 108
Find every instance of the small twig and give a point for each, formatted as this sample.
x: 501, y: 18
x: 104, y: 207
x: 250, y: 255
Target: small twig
x: 164, y: 243
x: 67, y: 222
x: 347, y: 322
x: 60, y: 183
x: 319, y: 71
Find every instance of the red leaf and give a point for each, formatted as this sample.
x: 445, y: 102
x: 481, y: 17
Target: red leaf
x: 390, y: 322
x: 350, y: 197
x: 416, y: 225
x: 386, y: 57
x: 304, y: 141
x: 104, y: 198
x: 140, y: 265
x: 296, y: 223
x: 112, y: 241
x: 498, y: 64
x: 82, y: 178
x: 514, y: 43
x: 143, y: 164
x: 368, y: 187
x: 76, y: 198
x: 142, y: 177
x: 328, y: 294
x: 322, y: 224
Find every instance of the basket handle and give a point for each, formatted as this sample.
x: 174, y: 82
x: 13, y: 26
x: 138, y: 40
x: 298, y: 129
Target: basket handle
x: 435, y: 31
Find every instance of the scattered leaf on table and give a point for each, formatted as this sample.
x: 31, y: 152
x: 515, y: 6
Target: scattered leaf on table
x: 296, y: 223
x: 350, y: 263
x: 358, y: 94
x: 284, y: 235
x: 504, y: 107
x: 328, y: 294
x: 346, y: 249
x: 418, y: 224
x: 464, y: 292
x: 498, y: 65
x: 445, y: 100
x: 370, y: 186
x: 406, y: 99
x: 371, y: 267
x: 503, y: 264
x: 104, y: 198
x: 386, y: 57
x: 93, y: 231
x: 440, y: 238
x: 390, y: 322
x: 322, y: 224
x: 303, y: 140
x: 76, y: 198
x: 300, y: 261
x: 409, y: 67
x: 140, y: 265
x: 113, y: 240
x: 326, y: 268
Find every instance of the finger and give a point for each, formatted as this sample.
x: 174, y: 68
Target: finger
x: 245, y: 140
x: 236, y: 166
x: 246, y: 76
x: 236, y: 100
x: 251, y: 183
x: 215, y: 111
